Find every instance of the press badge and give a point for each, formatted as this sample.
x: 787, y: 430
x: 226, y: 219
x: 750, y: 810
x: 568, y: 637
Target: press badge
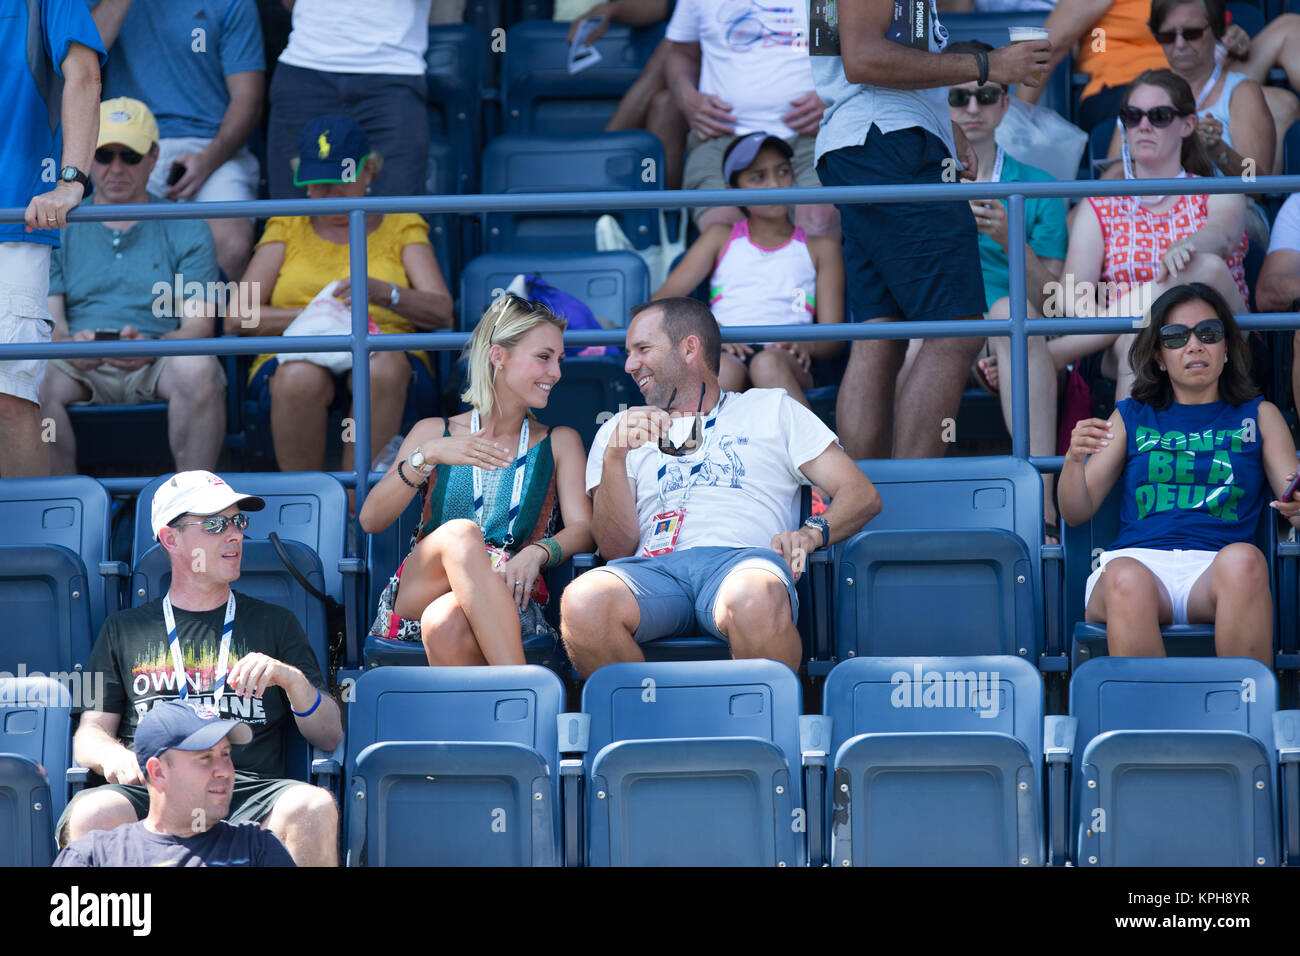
x: 663, y: 533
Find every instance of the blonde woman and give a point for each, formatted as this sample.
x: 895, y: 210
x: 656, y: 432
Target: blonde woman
x: 497, y: 488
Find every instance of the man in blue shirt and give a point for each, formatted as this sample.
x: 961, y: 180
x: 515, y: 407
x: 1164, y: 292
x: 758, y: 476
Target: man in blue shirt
x: 45, y: 171
x: 136, y: 280
x: 201, y: 68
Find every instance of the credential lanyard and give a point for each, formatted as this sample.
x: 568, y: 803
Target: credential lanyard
x: 997, y: 166
x: 516, y: 492
x: 223, y: 656
x: 695, y: 469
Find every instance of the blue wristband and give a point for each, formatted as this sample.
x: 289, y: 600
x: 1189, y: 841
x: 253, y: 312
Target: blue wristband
x: 307, y: 713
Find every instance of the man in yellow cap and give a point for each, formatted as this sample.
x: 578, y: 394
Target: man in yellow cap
x: 135, y: 280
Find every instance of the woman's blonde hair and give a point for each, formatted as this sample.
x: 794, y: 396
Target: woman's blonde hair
x: 505, y: 322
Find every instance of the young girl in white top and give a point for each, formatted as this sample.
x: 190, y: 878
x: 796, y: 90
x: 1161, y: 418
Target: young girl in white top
x: 764, y: 270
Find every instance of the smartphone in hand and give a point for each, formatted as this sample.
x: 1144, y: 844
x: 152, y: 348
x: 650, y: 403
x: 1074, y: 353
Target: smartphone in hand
x: 107, y: 335
x: 174, y: 174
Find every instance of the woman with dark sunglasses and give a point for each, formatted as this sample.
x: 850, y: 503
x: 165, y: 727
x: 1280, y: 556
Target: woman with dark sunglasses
x: 1198, y: 450
x: 1128, y: 250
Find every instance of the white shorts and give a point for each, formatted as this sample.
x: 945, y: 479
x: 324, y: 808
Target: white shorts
x: 234, y: 180
x: 1176, y: 570
x: 24, y: 316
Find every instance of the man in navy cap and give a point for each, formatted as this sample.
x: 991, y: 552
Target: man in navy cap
x: 185, y: 753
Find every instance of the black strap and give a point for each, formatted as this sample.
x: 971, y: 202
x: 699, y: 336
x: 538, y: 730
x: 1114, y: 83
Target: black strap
x: 298, y: 575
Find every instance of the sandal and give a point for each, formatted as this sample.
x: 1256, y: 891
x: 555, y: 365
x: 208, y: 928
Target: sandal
x: 984, y: 370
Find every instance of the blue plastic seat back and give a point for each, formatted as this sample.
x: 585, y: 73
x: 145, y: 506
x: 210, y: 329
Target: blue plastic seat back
x: 507, y: 704
x: 1291, y: 150
x: 607, y: 162
x: 1248, y: 16
x: 540, y: 94
x: 310, y: 507
x: 672, y: 699
x: 99, y: 448
x: 72, y: 511
x: 45, y: 608
x: 262, y: 576
x: 1098, y: 146
x: 36, y: 731
x: 993, y: 28
x: 747, y: 713
x: 464, y: 706
x: 1202, y: 695
x: 935, y: 593
x: 454, y: 73
x: 443, y: 179
x: 958, y: 494
x: 930, y: 755
x: 608, y: 283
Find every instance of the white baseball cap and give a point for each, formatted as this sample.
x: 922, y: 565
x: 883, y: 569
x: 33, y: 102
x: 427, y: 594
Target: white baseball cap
x: 196, y: 493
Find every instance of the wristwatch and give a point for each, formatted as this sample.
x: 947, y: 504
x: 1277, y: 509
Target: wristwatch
x: 818, y: 523
x: 71, y: 174
x: 395, y: 297
x: 420, y: 463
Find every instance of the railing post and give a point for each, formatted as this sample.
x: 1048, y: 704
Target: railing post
x: 1019, y: 333
x: 360, y: 279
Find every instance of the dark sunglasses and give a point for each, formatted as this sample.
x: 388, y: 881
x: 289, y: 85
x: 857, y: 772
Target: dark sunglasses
x: 693, y: 440
x: 1160, y: 116
x: 1207, y: 333
x: 1189, y: 35
x: 105, y: 156
x: 984, y: 96
x: 218, y: 523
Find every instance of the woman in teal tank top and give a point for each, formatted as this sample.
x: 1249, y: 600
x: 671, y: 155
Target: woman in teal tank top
x: 496, y: 485
x: 1199, y: 452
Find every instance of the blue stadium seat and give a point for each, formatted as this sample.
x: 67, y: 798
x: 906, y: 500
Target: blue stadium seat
x: 937, y: 762
x: 973, y: 528
x: 456, y: 80
x: 992, y: 29
x: 609, y: 283
x: 541, y: 95
x: 35, y: 749
x: 98, y: 429
x: 453, y: 766
x: 693, y: 764
x: 1248, y: 16
x: 45, y: 609
x: 1174, y: 762
x: 1085, y: 543
x: 309, y: 507
x: 1291, y: 150
x: 613, y: 162
x: 443, y: 179
x: 1098, y: 146
x: 71, y: 511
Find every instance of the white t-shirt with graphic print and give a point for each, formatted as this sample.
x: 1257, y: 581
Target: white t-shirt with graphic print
x: 747, y: 492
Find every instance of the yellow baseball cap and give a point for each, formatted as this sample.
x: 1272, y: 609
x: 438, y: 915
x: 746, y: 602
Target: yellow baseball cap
x: 129, y: 122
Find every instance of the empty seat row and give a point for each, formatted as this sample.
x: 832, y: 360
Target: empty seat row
x: 916, y: 761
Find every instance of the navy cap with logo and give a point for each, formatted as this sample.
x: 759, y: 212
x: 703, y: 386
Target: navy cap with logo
x: 331, y: 149
x: 179, y: 725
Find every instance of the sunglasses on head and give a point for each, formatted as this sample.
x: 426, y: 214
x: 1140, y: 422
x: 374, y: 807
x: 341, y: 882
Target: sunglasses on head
x: 1160, y: 116
x: 104, y: 156
x: 693, y: 440
x: 1207, y: 333
x: 1189, y: 35
x: 984, y: 96
x: 216, y: 524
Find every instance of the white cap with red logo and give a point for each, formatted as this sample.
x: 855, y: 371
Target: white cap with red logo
x: 196, y: 493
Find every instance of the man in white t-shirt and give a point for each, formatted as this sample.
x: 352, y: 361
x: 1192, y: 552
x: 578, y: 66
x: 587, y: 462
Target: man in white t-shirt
x: 1278, y: 286
x: 740, y: 67
x: 696, y: 503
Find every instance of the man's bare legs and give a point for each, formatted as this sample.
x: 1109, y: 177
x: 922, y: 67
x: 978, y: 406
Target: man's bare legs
x: 864, y: 410
x: 598, y: 616
x: 58, y: 391
x: 22, y: 453
x: 931, y: 396
x: 193, y: 387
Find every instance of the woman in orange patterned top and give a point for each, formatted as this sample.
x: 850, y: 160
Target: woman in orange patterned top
x: 298, y: 256
x: 1125, y: 251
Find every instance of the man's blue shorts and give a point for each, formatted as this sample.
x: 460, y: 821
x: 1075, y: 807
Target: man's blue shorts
x: 906, y: 260
x: 676, y: 592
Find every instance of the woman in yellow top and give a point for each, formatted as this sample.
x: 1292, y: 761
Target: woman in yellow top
x: 299, y: 255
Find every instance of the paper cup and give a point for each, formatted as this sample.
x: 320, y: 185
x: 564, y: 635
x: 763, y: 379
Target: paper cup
x: 1028, y: 35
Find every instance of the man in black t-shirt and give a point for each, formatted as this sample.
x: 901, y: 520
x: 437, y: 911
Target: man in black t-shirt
x: 210, y: 645
x: 185, y: 752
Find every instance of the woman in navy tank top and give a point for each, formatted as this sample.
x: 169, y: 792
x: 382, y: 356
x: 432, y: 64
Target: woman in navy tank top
x: 1200, y: 454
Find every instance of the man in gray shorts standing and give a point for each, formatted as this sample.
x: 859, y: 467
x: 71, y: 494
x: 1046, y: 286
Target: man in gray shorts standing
x: 696, y: 504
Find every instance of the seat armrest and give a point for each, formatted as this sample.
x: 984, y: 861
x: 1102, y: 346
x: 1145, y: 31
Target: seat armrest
x: 1058, y: 748
x: 119, y: 573
x: 583, y: 562
x: 574, y: 732
x: 814, y: 745
x: 574, y: 739
x: 1053, y: 556
x: 353, y: 571
x: 76, y: 778
x: 114, y: 569
x: 327, y: 763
